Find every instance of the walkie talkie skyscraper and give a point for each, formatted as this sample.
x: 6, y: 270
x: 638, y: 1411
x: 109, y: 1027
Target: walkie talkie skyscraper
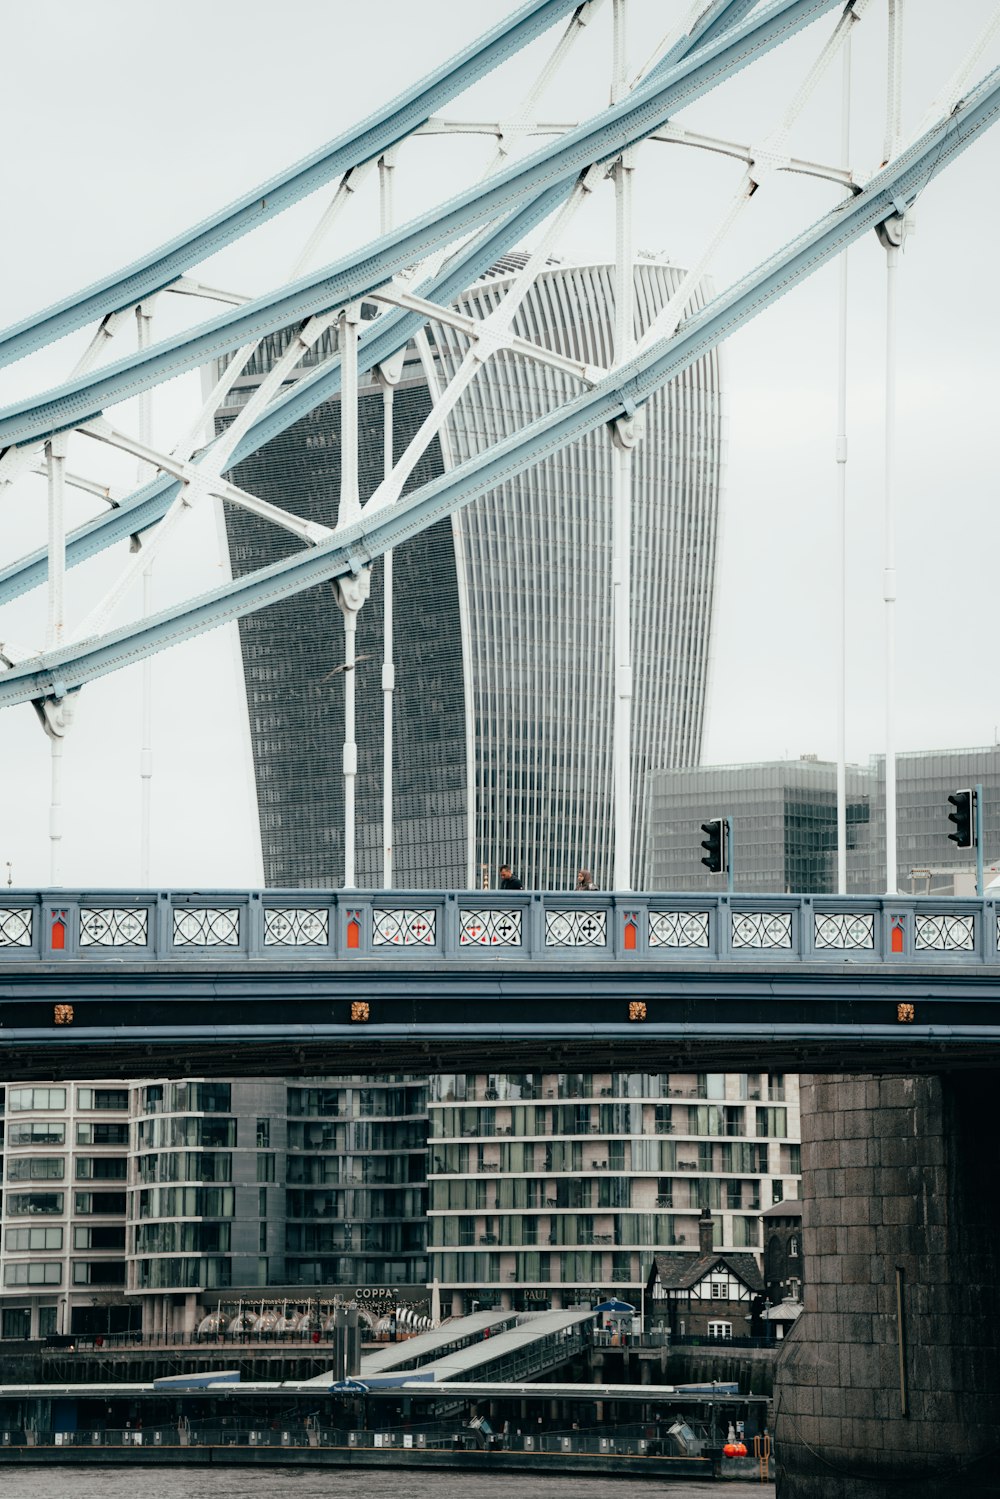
x: 503, y: 659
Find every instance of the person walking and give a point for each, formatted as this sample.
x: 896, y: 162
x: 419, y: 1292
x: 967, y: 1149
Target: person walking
x: 508, y: 879
x: 585, y: 880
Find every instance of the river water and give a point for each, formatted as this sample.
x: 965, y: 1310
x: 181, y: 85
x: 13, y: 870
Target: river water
x: 334, y: 1483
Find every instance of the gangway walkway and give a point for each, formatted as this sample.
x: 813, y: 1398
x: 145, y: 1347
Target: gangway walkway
x: 531, y: 1345
x: 442, y: 1342
x: 426, y: 1347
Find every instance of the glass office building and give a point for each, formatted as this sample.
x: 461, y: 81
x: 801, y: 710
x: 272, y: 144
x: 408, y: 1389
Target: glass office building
x: 784, y: 827
x: 785, y: 824
x: 503, y: 700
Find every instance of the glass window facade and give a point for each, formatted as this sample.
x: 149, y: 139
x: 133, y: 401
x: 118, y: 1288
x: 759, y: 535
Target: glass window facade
x: 785, y: 818
x: 522, y: 577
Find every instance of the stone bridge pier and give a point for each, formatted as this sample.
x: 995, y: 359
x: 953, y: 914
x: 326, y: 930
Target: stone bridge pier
x: 889, y: 1386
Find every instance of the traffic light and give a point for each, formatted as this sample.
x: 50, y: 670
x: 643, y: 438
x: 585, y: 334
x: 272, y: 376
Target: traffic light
x: 963, y: 817
x: 715, y: 845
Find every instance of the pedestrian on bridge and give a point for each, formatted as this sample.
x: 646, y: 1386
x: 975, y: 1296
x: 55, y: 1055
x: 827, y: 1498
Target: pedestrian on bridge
x: 508, y: 879
x: 585, y: 880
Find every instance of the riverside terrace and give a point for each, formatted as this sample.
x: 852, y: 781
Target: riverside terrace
x: 113, y: 983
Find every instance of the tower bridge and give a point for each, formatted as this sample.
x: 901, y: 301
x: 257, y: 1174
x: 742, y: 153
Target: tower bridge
x: 891, y: 1379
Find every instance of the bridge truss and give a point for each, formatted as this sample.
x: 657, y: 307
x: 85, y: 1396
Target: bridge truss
x: 408, y: 274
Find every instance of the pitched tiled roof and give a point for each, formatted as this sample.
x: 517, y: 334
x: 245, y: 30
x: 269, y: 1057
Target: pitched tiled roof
x: 790, y: 1208
x: 679, y: 1272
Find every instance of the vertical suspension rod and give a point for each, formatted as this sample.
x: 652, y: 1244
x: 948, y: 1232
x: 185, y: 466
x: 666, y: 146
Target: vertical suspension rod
x: 840, y: 455
x: 55, y: 459
x: 385, y: 170
x: 143, y: 321
x: 621, y: 503
x: 348, y: 510
x: 891, y: 234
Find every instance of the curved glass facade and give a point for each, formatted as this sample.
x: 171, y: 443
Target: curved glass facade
x: 356, y: 1199
x: 537, y: 559
x: 502, y: 615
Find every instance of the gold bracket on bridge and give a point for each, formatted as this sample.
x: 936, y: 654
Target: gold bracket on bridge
x: 637, y: 1009
x: 905, y: 1012
x: 62, y: 1014
x: 360, y: 1010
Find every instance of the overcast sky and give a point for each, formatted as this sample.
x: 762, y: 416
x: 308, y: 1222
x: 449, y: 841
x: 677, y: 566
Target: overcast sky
x: 127, y: 123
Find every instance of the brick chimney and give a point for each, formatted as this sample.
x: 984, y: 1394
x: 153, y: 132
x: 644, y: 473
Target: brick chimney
x: 705, y: 1231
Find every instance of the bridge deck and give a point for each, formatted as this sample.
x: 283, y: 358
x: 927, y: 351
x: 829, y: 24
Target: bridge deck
x: 293, y: 983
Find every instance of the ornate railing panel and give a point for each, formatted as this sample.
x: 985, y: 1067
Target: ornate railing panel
x: 944, y: 933
x: 403, y: 928
x: 207, y: 926
x: 296, y: 926
x: 576, y: 928
x: 114, y: 926
x: 678, y: 928
x: 847, y: 931
x: 489, y: 929
x: 15, y: 926
x: 762, y: 929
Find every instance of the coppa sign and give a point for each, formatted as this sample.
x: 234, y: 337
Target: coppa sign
x: 377, y: 1293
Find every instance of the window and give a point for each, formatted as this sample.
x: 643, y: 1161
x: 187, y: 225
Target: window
x: 777, y: 1191
x: 99, y: 1236
x: 772, y: 1122
x: 19, y: 1099
x: 793, y: 1246
x: 102, y: 1134
x: 21, y: 1240
x: 29, y: 1273
x: 101, y: 1168
x: 36, y: 1132
x: 102, y: 1098
x: 36, y: 1168
x: 21, y: 1204
x: 720, y: 1329
x: 265, y: 1167
x: 48, y: 1321
x: 15, y: 1322
x: 196, y: 1273
x: 263, y: 1134
x: 100, y: 1202
x: 98, y: 1272
x: 201, y: 1098
x: 314, y: 1102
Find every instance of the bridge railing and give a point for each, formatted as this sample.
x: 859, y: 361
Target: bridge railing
x: 543, y: 926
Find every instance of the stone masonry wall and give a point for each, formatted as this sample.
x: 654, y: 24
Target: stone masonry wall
x: 897, y: 1173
